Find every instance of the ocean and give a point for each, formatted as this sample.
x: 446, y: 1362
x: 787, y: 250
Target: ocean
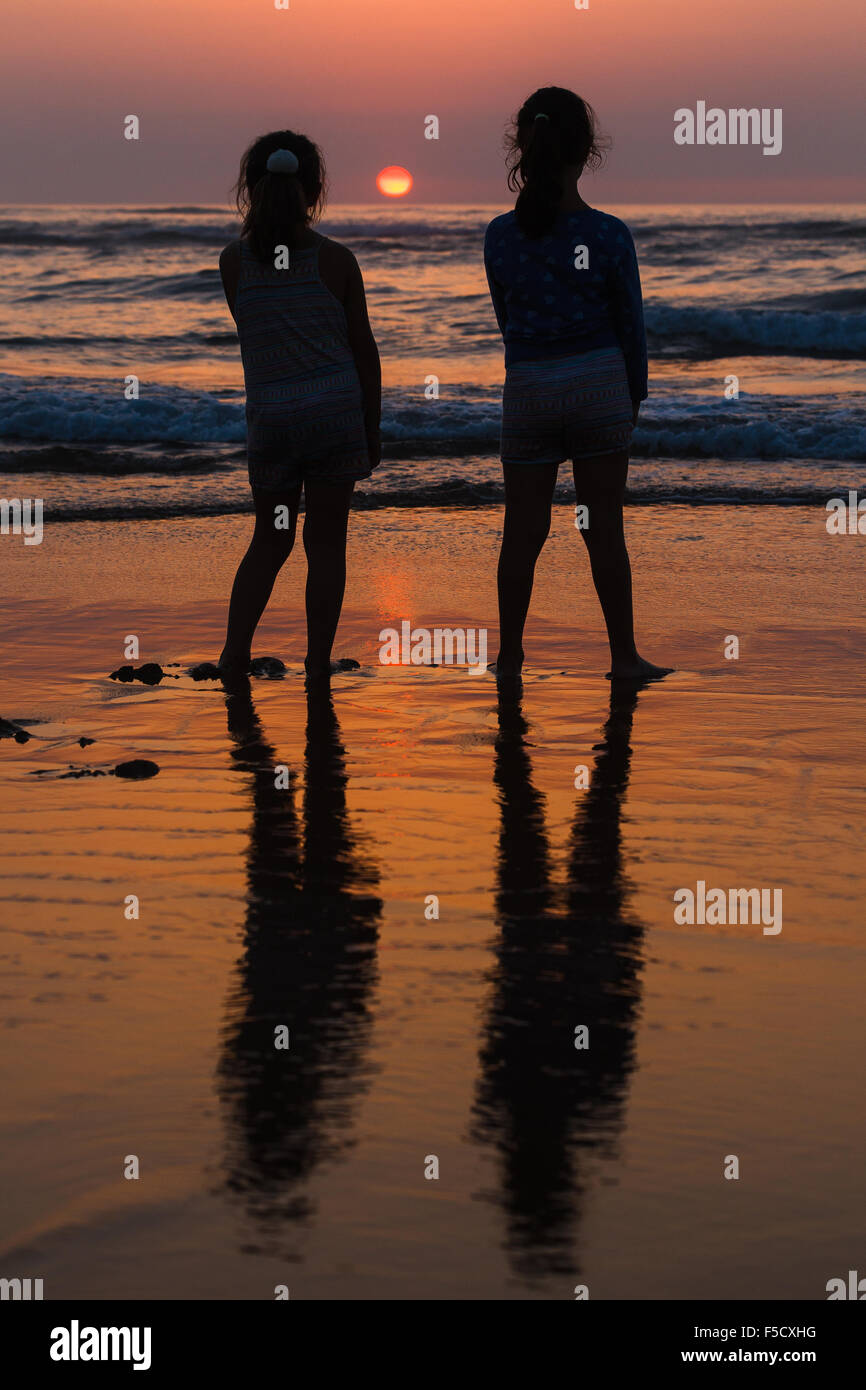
x: 774, y: 296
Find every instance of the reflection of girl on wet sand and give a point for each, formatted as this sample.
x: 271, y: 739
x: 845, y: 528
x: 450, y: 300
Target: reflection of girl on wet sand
x: 567, y: 955
x: 308, y: 963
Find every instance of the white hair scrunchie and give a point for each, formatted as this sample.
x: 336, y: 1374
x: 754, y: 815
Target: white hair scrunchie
x: 282, y: 162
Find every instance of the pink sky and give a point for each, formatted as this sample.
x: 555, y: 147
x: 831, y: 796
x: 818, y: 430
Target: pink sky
x: 359, y: 76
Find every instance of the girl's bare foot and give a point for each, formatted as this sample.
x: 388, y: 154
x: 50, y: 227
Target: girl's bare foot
x: 508, y: 678
x: 234, y: 660
x: 507, y: 667
x: 331, y: 668
x: 222, y: 670
x: 637, y: 670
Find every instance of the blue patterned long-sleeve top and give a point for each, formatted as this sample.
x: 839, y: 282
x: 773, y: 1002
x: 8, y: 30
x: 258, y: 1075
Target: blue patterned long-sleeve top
x: 572, y: 290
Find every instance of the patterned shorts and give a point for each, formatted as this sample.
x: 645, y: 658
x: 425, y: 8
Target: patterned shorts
x: 566, y: 408
x: 314, y: 435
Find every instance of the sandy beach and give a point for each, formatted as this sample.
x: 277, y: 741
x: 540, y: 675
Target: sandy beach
x: 451, y: 1037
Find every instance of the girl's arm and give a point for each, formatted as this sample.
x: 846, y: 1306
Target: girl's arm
x: 365, y: 353
x: 496, y: 292
x: 628, y: 318
x: 230, y: 269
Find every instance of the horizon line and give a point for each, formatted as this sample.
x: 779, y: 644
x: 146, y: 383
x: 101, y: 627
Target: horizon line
x: 704, y: 202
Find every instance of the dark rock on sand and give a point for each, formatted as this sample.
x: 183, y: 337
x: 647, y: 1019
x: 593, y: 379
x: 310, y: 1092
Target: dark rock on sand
x: 10, y: 730
x: 137, y: 769
x: 270, y: 667
x: 265, y: 667
x: 151, y: 673
x: 83, y: 742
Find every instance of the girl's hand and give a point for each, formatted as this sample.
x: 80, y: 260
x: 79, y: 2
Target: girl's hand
x: 374, y: 446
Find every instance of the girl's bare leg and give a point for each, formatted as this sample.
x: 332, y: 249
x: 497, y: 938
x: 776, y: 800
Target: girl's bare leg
x: 268, y: 551
x: 528, y: 495
x: 326, y: 520
x: 600, y: 486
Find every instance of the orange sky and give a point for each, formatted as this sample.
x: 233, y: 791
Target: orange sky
x: 360, y: 76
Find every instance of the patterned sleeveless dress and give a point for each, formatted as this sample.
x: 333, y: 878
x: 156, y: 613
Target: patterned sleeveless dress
x: 304, y: 405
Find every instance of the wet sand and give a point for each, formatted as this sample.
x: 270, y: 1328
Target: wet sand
x: 412, y: 1037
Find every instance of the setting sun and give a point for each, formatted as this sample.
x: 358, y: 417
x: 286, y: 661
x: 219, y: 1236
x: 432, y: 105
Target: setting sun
x: 394, y: 181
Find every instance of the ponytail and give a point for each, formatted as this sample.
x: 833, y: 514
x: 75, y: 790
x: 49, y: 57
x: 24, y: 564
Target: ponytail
x: 277, y: 213
x: 541, y: 173
x: 554, y: 129
x: 279, y: 195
